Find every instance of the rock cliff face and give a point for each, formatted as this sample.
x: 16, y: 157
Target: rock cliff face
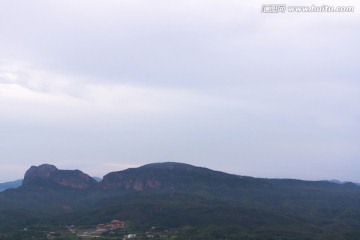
x: 147, y: 177
x: 122, y: 180
x: 49, y: 175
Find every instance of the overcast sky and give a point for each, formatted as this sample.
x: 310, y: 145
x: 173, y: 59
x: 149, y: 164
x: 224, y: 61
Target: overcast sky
x: 106, y: 85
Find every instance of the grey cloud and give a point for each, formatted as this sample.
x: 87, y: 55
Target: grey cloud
x: 212, y: 83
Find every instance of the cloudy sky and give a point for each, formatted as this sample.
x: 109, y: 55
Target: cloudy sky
x: 106, y: 85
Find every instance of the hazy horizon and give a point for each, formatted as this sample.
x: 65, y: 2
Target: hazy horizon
x: 103, y: 86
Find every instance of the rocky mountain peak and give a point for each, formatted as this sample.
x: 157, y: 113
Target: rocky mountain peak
x: 50, y: 176
x: 43, y: 171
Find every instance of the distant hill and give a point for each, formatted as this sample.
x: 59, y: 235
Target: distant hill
x: 340, y: 182
x: 195, y: 201
x: 98, y: 179
x: 11, y: 184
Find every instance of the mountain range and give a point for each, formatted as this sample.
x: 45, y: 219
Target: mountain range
x: 196, y: 201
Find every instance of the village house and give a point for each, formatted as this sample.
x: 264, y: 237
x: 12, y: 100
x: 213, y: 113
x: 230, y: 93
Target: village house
x: 114, y: 224
x: 129, y: 236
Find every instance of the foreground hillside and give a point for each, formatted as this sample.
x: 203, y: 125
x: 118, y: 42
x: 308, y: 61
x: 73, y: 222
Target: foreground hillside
x: 197, y: 203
